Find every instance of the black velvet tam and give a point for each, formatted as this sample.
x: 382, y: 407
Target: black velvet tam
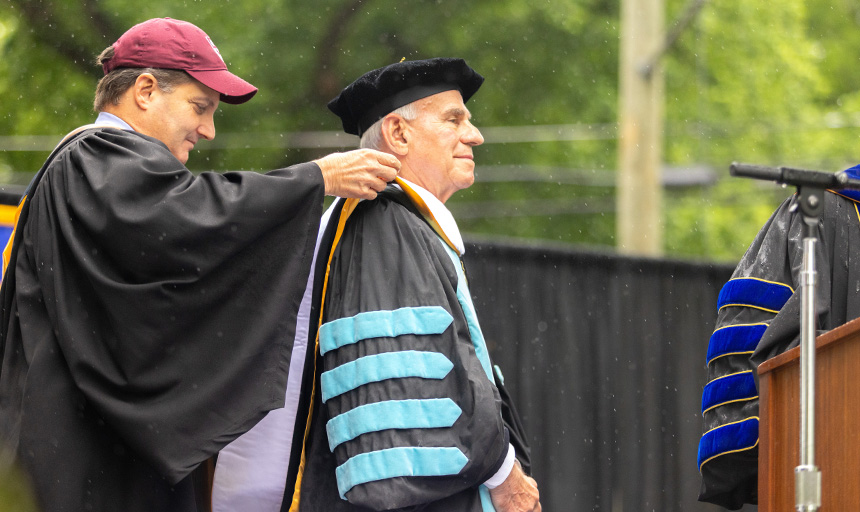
x: 381, y: 91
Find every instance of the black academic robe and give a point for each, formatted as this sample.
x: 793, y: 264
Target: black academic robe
x: 406, y: 413
x: 758, y: 318
x: 148, y: 316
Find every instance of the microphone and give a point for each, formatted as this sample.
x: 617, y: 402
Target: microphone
x: 795, y: 177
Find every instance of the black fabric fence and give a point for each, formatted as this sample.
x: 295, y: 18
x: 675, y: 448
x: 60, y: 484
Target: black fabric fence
x: 605, y: 358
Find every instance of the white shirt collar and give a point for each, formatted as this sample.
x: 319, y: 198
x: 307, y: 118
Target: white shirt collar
x: 443, y: 216
x: 105, y: 119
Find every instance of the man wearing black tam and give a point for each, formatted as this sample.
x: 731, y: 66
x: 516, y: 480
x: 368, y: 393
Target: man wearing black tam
x: 400, y: 406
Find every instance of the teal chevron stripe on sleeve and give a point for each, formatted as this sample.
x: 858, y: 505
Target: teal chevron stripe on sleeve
x: 379, y: 367
x: 397, y: 462
x: 383, y: 324
x: 391, y: 414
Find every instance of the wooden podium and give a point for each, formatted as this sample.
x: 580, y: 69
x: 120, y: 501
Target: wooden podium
x: 837, y: 423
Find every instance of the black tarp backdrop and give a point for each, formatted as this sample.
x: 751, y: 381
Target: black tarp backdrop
x: 605, y: 357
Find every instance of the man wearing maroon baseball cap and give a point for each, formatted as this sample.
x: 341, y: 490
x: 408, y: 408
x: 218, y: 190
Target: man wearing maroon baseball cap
x: 148, y: 313
x: 173, y: 44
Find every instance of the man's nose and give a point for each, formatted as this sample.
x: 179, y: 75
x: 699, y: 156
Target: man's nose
x: 207, y: 129
x: 472, y: 136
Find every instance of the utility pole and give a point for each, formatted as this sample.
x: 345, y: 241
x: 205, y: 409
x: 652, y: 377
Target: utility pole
x: 639, y: 224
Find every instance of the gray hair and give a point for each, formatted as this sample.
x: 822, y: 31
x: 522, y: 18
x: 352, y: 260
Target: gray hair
x: 113, y: 85
x: 372, y: 138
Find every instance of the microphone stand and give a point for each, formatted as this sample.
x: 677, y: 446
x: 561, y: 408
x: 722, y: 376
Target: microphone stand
x: 810, y: 190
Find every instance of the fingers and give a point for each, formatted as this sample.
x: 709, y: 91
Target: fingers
x: 378, y: 184
x: 518, y: 493
x: 389, y: 165
x: 369, y: 190
x: 360, y: 173
x: 370, y: 195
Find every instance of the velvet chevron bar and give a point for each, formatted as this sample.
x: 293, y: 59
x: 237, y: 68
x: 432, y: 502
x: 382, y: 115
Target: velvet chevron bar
x: 734, y: 339
x: 379, y: 367
x: 729, y: 438
x: 383, y: 324
x: 730, y: 388
x: 391, y: 414
x: 755, y: 293
x: 394, y: 462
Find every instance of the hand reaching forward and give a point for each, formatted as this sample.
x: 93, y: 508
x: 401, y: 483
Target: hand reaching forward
x: 360, y: 173
x: 518, y: 493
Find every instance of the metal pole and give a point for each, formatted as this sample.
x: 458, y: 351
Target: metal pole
x: 807, y: 478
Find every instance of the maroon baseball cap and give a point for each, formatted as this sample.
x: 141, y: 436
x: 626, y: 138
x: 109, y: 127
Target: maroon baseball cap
x: 173, y: 44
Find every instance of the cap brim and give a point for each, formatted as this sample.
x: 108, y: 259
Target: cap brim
x: 233, y: 89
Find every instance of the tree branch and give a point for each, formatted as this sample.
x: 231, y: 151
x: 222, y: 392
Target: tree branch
x: 104, y: 27
x: 690, y: 12
x: 324, y: 82
x: 60, y: 32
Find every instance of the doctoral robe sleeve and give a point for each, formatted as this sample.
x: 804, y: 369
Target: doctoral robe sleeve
x: 173, y: 297
x: 758, y: 313
x: 412, y: 413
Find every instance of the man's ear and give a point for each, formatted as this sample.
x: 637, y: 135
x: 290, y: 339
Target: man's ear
x: 143, y: 89
x: 395, y: 133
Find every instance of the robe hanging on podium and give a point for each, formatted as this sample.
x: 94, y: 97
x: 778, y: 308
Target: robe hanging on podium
x: 758, y: 318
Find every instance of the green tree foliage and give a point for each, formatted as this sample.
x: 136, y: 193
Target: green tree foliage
x: 759, y: 83
x: 770, y: 83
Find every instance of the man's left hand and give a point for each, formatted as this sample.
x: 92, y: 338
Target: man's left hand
x: 518, y: 493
